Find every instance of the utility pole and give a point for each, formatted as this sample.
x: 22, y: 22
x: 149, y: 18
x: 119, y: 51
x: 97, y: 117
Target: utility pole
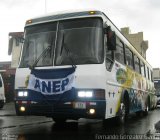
x: 45, y: 6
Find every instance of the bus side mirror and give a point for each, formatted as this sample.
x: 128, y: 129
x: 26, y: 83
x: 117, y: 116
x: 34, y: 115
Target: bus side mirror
x: 111, y: 38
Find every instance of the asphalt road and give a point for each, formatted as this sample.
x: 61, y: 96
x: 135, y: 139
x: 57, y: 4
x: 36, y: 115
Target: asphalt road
x: 14, y: 127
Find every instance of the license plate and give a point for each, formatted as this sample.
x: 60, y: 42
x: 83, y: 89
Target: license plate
x: 80, y: 105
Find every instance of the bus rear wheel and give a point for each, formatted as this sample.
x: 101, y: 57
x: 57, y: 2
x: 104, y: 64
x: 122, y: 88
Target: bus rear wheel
x: 145, y: 112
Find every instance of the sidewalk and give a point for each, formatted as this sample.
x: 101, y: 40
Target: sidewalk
x: 8, y: 118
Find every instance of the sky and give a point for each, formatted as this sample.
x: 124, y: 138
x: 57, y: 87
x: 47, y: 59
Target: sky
x: 139, y: 15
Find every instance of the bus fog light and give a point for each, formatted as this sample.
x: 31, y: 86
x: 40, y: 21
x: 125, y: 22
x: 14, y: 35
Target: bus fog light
x: 22, y: 109
x: 92, y: 111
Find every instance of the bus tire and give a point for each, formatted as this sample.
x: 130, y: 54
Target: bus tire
x: 59, y: 120
x: 145, y: 112
x: 124, y: 110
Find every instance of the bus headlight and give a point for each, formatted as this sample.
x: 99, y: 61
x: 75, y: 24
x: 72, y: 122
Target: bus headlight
x: 22, y: 93
x: 87, y: 94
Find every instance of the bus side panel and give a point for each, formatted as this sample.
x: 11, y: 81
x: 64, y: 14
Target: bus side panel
x: 113, y: 91
x: 123, y: 79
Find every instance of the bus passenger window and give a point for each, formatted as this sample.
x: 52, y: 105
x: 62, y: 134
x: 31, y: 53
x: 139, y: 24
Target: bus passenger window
x: 146, y: 68
x: 108, y: 58
x: 142, y: 69
x: 149, y: 74
x: 119, y: 53
x: 136, y: 63
x: 129, y: 57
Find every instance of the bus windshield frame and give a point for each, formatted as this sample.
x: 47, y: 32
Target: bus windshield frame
x: 70, y: 42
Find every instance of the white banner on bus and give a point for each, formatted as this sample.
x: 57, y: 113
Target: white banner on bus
x: 51, y: 86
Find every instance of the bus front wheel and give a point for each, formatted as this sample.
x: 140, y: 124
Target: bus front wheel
x: 124, y: 111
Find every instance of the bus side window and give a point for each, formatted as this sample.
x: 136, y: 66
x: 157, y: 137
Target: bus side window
x: 151, y: 75
x: 146, y: 71
x: 142, y: 68
x: 129, y: 57
x: 119, y: 53
x: 137, y: 64
x: 108, y: 57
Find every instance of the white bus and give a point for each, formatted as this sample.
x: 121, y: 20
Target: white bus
x: 2, y: 94
x: 79, y: 65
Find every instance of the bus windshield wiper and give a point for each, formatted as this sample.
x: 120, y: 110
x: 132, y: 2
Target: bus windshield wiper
x: 68, y: 52
x: 40, y: 56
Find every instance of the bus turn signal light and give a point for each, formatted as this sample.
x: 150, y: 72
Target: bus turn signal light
x: 29, y: 21
x: 92, y: 12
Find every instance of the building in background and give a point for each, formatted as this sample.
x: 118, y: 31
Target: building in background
x: 8, y: 75
x: 156, y: 73
x: 136, y: 40
x: 8, y: 68
x: 14, y: 47
x: 156, y: 77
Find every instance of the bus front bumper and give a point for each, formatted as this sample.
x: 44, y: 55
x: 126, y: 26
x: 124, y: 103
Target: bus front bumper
x: 71, y: 110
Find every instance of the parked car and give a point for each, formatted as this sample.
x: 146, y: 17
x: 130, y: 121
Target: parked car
x: 2, y: 94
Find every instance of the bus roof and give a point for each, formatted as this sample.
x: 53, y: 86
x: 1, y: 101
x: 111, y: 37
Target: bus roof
x: 62, y: 16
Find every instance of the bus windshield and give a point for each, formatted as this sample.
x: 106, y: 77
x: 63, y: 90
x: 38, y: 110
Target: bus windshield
x: 70, y: 42
x: 37, y: 39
